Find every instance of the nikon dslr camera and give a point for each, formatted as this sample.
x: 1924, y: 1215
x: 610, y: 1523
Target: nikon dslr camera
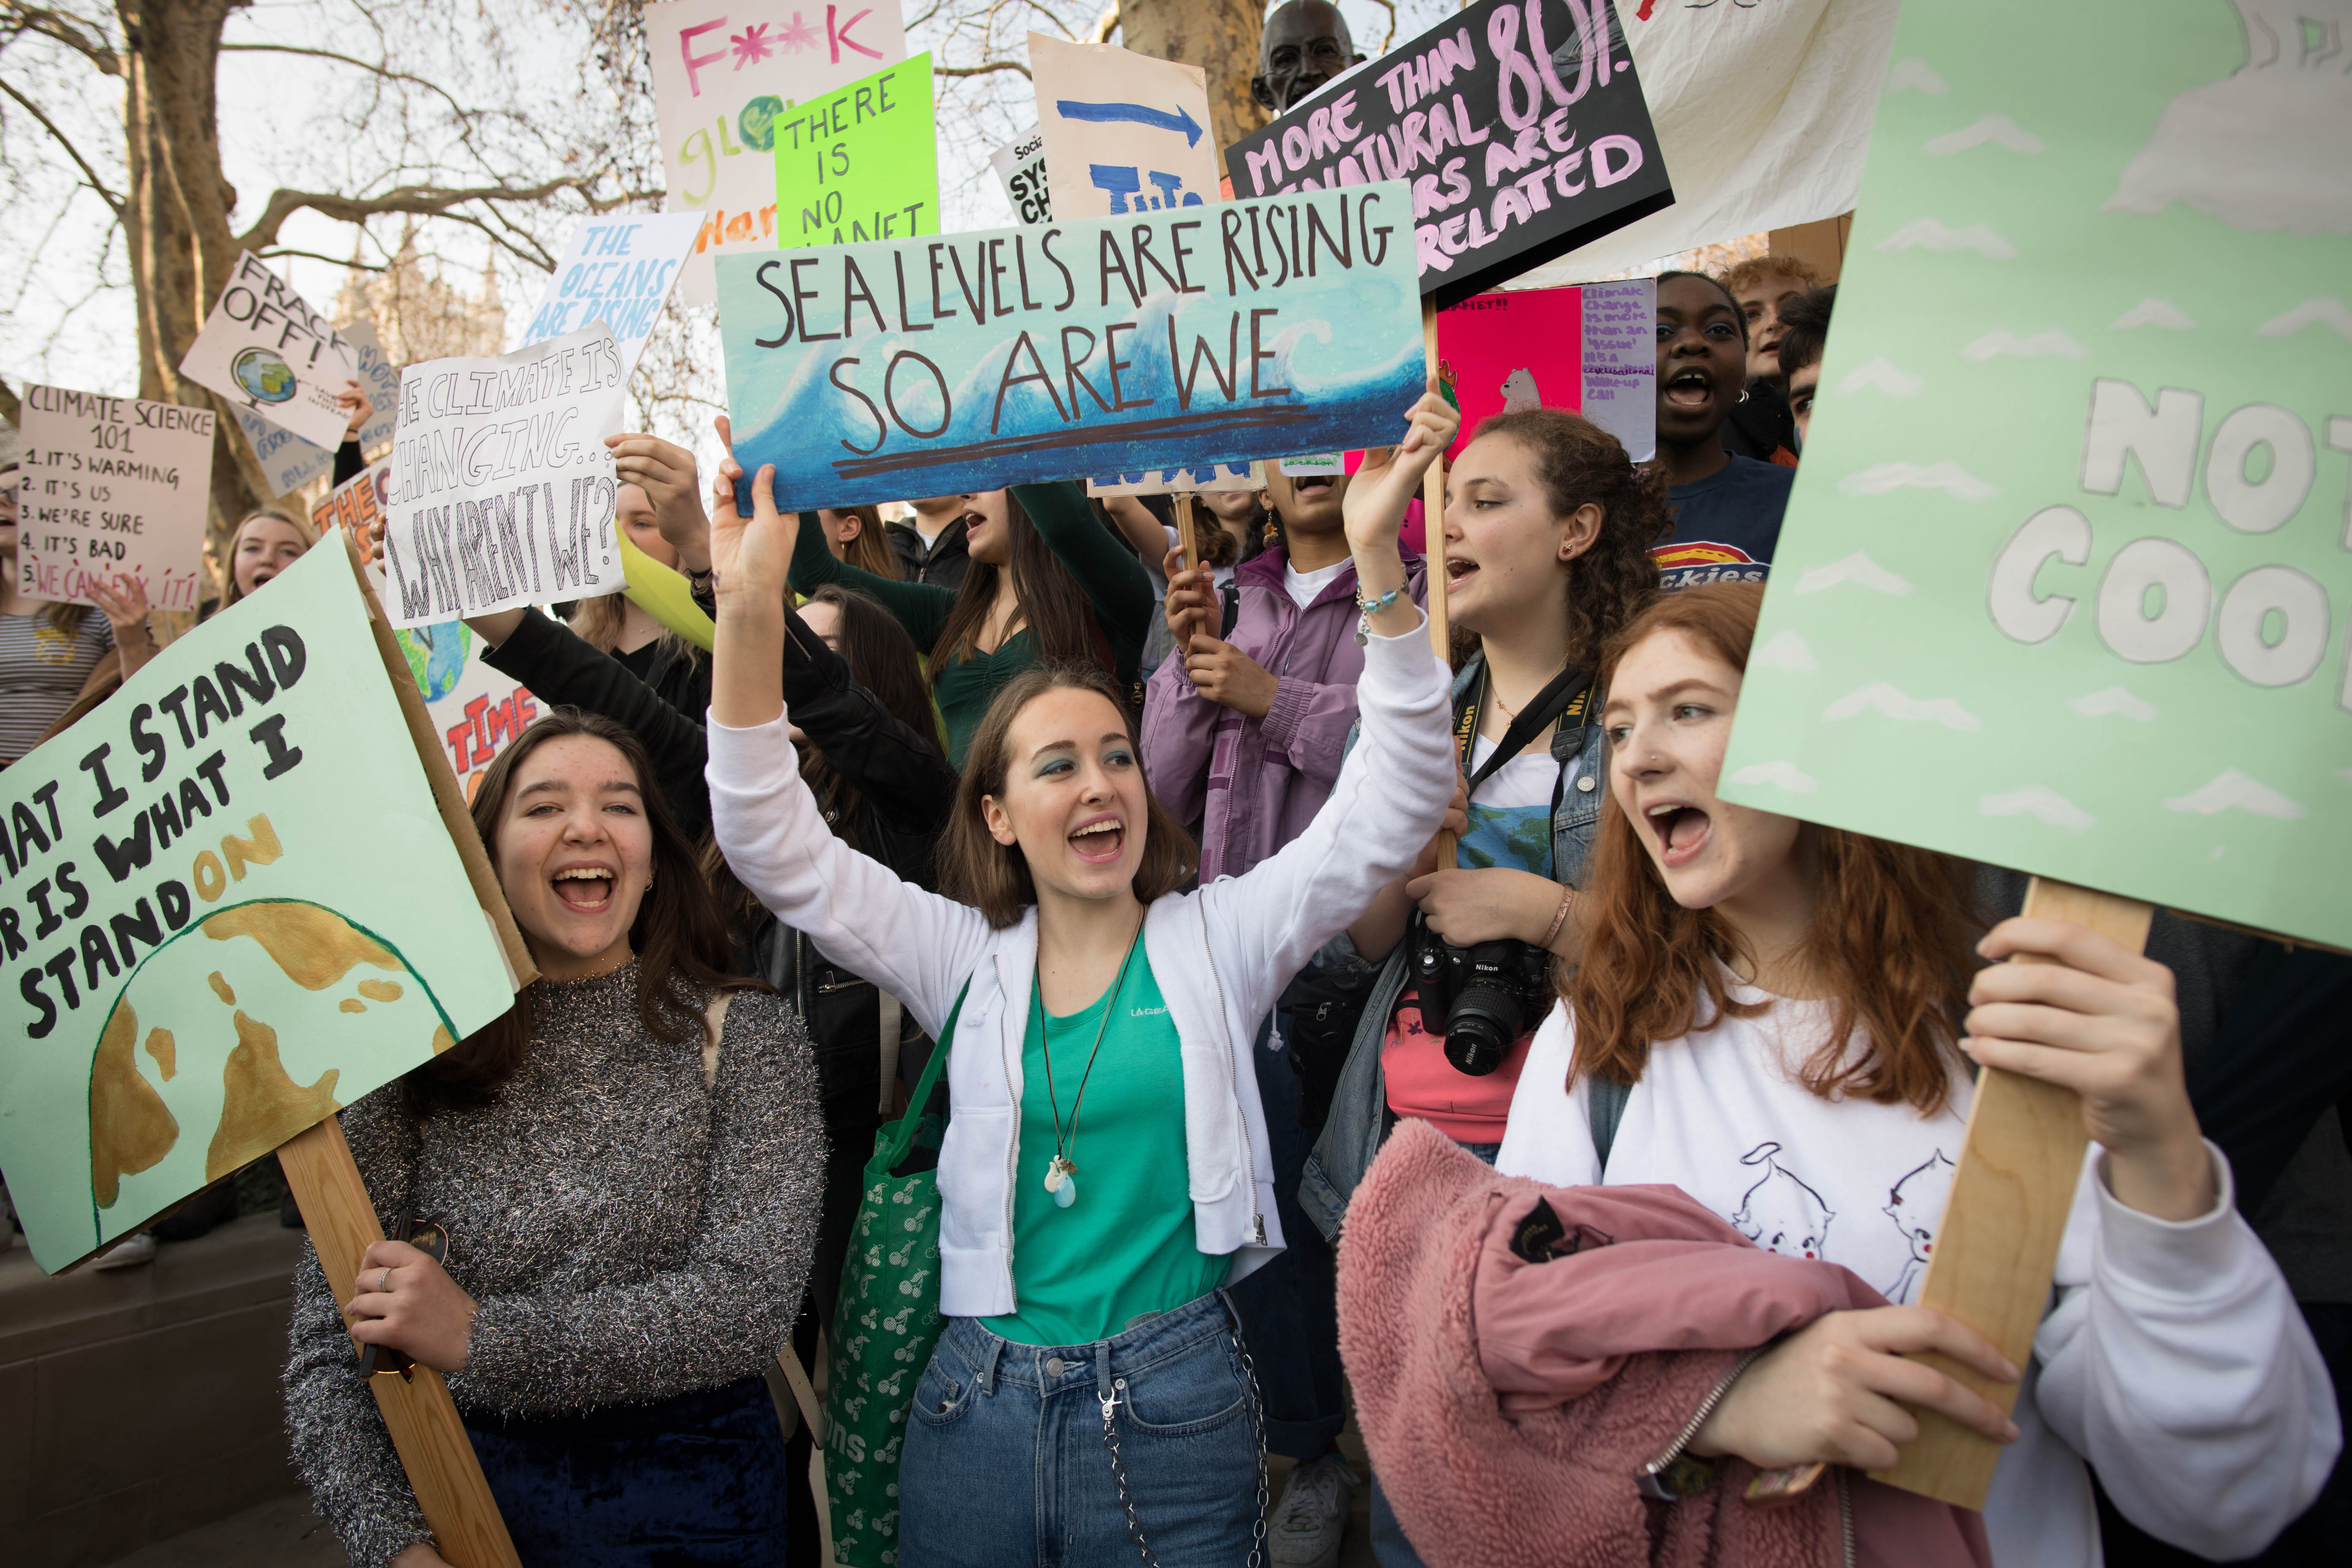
x: 1479, y: 999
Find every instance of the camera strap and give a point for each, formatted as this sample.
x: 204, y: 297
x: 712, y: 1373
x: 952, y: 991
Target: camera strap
x: 1562, y: 699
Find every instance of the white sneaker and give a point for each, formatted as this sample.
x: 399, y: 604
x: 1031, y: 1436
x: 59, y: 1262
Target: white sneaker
x: 1312, y: 1518
x: 127, y: 1252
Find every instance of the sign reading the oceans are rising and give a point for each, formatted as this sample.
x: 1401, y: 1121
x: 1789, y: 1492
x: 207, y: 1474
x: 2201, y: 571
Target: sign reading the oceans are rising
x: 869, y: 373
x: 2063, y: 583
x: 1519, y: 122
x: 203, y: 956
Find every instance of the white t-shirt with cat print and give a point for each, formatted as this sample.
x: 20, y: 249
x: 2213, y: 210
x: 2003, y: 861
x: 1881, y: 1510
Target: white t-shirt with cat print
x: 2186, y: 1330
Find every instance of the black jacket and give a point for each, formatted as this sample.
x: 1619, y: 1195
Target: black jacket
x: 943, y: 560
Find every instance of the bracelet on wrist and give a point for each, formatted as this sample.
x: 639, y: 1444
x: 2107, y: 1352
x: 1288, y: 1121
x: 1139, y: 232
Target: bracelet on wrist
x: 1370, y: 608
x: 1559, y: 915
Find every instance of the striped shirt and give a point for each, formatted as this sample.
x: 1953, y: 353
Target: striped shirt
x: 41, y: 672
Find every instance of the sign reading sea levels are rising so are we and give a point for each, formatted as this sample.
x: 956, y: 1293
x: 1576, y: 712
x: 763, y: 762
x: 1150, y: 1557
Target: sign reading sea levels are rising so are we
x: 870, y: 372
x: 206, y: 957
x: 2064, y: 583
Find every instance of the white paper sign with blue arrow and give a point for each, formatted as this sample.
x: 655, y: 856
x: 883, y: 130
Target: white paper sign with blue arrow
x: 1123, y: 132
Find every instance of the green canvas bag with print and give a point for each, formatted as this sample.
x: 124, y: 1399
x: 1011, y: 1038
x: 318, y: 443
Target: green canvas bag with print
x: 888, y: 1321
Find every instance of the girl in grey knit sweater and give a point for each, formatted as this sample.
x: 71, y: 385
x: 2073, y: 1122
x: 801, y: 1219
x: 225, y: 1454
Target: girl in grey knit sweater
x: 630, y: 1213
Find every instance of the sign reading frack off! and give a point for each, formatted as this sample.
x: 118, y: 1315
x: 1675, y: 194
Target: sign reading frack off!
x: 233, y: 898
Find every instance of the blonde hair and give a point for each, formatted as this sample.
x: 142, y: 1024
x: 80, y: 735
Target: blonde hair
x: 230, y: 592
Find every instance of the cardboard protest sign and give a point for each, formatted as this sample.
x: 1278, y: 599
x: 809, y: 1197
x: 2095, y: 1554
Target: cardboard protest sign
x: 1763, y: 114
x: 1122, y: 131
x: 2064, y: 585
x: 359, y: 503
x: 871, y: 373
x: 112, y: 487
x: 205, y: 958
x: 1021, y: 165
x: 290, y: 461
x: 1591, y: 349
x: 272, y: 355
x: 1177, y: 481
x: 1520, y: 124
x: 503, y: 489
x: 617, y: 270
x: 723, y: 70
x: 859, y: 163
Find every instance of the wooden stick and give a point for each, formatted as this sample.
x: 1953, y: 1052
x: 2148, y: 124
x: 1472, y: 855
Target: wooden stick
x: 1997, y: 1244
x: 418, y: 1411
x: 1186, y: 535
x: 1433, y: 540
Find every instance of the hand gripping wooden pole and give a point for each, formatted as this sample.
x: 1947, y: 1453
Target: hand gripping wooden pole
x: 1997, y: 1244
x: 1433, y: 545
x: 418, y: 1410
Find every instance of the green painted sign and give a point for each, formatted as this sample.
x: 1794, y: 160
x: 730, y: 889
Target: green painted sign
x: 229, y: 905
x: 861, y: 162
x: 2066, y: 576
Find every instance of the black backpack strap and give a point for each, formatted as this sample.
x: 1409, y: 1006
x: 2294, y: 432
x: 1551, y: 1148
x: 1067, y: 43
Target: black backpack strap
x: 1606, y: 1099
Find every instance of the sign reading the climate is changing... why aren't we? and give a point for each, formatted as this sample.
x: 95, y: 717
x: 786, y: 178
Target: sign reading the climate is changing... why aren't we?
x: 2064, y: 584
x: 1213, y: 334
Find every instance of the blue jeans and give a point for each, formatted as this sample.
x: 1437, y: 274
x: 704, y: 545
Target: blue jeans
x: 1005, y: 1462
x: 1289, y: 1310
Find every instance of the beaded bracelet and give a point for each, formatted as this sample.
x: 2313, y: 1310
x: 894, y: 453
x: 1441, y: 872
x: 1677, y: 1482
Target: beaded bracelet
x: 1372, y: 607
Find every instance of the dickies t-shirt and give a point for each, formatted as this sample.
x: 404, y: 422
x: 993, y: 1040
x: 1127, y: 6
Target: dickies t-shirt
x: 1726, y: 526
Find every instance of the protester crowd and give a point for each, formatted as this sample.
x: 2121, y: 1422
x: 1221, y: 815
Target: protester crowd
x: 1261, y: 937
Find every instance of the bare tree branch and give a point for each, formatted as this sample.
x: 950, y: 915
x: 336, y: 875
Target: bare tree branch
x: 89, y: 175
x: 421, y: 200
x: 63, y: 29
x: 373, y: 67
x: 1107, y: 23
x: 988, y: 69
x: 355, y: 265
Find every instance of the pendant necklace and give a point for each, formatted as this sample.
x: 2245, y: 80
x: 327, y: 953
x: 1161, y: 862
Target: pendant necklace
x: 1062, y: 1171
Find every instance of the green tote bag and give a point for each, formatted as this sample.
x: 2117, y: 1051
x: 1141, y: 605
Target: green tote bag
x: 887, y: 1323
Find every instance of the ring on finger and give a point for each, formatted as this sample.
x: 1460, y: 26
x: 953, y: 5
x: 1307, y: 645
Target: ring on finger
x: 383, y: 1282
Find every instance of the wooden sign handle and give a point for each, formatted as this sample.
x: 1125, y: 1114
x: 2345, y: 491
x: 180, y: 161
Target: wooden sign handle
x: 1997, y: 1244
x: 1187, y: 536
x: 1433, y: 545
x: 418, y: 1410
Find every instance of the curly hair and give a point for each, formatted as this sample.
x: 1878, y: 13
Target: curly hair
x: 1581, y: 464
x: 1757, y: 268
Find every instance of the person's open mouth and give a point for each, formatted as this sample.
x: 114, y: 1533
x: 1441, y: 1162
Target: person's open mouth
x: 1458, y: 570
x: 1691, y: 388
x: 585, y: 890
x: 1098, y: 840
x: 1681, y: 831
x: 1313, y: 487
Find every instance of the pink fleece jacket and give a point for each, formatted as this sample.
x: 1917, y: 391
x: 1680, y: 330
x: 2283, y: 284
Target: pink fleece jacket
x: 1511, y: 1405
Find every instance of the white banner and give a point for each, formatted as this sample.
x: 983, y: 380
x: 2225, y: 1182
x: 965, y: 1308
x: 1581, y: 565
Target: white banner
x: 1021, y: 165
x: 1763, y: 114
x: 723, y: 71
x: 271, y: 355
x: 618, y: 269
x: 501, y: 487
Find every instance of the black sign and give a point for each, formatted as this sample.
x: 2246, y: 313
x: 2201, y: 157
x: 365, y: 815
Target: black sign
x: 1524, y: 137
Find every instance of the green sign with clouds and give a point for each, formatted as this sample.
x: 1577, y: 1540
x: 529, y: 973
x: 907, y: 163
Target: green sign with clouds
x: 2066, y: 576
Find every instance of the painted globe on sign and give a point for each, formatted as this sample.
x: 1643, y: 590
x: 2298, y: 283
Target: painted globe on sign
x: 264, y: 377
x: 436, y: 656
x: 757, y: 123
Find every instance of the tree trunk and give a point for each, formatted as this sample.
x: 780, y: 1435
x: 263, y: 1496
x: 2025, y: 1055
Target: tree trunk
x: 176, y: 220
x: 1221, y: 36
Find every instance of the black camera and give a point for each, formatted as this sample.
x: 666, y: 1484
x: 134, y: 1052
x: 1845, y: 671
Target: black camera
x: 1478, y: 998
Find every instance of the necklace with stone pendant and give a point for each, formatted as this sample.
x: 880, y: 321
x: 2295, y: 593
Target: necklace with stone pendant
x: 1062, y: 1171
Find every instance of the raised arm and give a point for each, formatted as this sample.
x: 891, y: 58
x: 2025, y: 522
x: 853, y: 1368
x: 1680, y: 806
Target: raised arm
x: 915, y: 944
x: 900, y: 770
x: 920, y: 607
x: 1112, y: 579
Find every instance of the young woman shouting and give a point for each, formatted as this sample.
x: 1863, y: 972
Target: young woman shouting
x: 1105, y: 1169
x: 1769, y: 1008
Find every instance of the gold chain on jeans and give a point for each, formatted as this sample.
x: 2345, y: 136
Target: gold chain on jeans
x: 1127, y: 1496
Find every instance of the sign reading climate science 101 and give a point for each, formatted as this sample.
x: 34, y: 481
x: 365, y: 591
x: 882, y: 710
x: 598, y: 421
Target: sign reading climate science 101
x: 1519, y: 122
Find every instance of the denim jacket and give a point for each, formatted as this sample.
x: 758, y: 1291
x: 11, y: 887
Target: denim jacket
x: 1357, y: 1122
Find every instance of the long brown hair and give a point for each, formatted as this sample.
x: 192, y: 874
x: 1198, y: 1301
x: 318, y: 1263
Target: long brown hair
x: 994, y: 878
x: 1890, y: 937
x: 1578, y: 463
x: 230, y: 592
x: 1061, y: 625
x: 870, y: 552
x: 678, y: 933
x: 882, y: 658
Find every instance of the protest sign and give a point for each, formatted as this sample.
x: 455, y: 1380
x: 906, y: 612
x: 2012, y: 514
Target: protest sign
x: 1176, y: 481
x: 871, y: 373
x: 859, y: 163
x: 1021, y: 165
x: 1763, y: 114
x: 290, y: 461
x: 271, y: 355
x: 206, y: 958
x: 1591, y: 350
x: 617, y: 270
x: 357, y: 504
x: 1122, y: 131
x: 723, y: 70
x: 503, y: 489
x: 112, y: 487
x: 1520, y: 124
x: 2061, y: 585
